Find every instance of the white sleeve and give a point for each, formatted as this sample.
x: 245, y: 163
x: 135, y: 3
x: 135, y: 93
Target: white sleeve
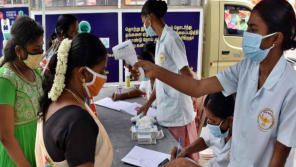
x: 229, y: 78
x: 143, y: 86
x: 286, y: 132
x: 206, y: 135
x: 177, y: 52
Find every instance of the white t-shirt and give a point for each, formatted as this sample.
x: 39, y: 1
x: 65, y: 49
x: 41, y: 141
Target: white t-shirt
x: 220, y: 149
x: 146, y: 87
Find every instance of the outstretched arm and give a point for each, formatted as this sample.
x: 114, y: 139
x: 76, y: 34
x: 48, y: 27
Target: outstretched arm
x: 184, y: 84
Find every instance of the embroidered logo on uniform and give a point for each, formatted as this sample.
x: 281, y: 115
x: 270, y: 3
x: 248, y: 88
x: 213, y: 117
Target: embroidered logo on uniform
x: 265, y: 119
x: 162, y: 58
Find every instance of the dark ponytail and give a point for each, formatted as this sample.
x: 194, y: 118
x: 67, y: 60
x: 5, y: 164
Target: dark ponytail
x: 279, y: 16
x: 23, y: 31
x: 293, y: 39
x: 158, y: 7
x: 146, y: 56
x: 63, y: 24
x: 82, y: 53
x: 149, y: 47
x: 53, y: 36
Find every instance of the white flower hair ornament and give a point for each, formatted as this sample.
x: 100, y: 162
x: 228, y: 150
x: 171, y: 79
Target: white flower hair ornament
x: 1, y: 60
x: 59, y: 78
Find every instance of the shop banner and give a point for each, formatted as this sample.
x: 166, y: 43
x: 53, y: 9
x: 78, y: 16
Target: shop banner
x: 188, y: 30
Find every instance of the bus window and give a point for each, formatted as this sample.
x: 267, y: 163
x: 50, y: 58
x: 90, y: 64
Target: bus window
x: 236, y: 19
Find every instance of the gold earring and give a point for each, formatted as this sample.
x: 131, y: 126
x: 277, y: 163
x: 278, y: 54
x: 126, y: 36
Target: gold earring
x: 83, y: 82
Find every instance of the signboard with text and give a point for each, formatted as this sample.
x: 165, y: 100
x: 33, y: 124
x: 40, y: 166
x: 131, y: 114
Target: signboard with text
x: 7, y: 17
x: 103, y: 25
x: 188, y: 30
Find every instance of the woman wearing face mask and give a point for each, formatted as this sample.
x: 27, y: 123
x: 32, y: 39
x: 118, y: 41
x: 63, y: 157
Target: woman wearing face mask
x: 66, y: 27
x: 69, y: 133
x: 20, y: 89
x: 264, y: 126
x: 217, y: 135
x: 174, y: 109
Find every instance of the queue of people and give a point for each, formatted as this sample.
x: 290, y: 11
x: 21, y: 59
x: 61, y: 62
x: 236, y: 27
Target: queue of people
x: 44, y: 118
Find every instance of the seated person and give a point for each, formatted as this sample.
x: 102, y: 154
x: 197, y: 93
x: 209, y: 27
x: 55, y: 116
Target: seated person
x: 146, y: 87
x: 219, y: 111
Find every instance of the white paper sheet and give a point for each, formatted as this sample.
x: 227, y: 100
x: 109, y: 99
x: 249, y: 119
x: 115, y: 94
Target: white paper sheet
x: 123, y: 106
x: 143, y: 157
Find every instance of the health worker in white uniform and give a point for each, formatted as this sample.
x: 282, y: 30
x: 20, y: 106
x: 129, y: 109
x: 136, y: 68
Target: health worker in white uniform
x: 264, y: 127
x: 174, y: 109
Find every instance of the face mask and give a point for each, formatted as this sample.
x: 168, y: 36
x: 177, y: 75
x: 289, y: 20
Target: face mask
x: 146, y: 79
x: 93, y: 88
x: 216, y: 130
x: 251, y: 46
x: 149, y: 30
x: 33, y: 60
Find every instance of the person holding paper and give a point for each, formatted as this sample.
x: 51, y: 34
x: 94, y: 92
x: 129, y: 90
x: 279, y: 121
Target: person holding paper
x: 217, y: 135
x: 148, y: 85
x: 68, y: 131
x: 264, y: 125
x: 174, y: 109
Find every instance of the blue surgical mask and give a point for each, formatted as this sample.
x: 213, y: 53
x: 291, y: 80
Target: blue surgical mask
x: 251, y: 46
x: 146, y: 79
x: 149, y: 30
x: 216, y: 130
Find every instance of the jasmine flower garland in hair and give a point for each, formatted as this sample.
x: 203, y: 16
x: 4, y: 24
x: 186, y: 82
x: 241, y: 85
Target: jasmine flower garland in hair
x: 59, y: 78
x: 1, y: 60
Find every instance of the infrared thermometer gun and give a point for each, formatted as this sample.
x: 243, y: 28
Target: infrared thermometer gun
x: 127, y: 52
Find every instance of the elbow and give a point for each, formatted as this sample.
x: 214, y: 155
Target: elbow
x: 6, y: 139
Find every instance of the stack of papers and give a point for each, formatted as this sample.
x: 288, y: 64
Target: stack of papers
x: 143, y: 157
x: 126, y: 107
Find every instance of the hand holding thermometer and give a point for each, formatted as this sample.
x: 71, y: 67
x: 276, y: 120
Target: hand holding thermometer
x: 127, y: 52
x: 179, y: 143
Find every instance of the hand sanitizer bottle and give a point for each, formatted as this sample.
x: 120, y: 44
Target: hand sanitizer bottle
x: 127, y: 78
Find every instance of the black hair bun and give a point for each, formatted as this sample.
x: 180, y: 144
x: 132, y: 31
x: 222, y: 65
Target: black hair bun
x: 293, y: 43
x: 161, y: 8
